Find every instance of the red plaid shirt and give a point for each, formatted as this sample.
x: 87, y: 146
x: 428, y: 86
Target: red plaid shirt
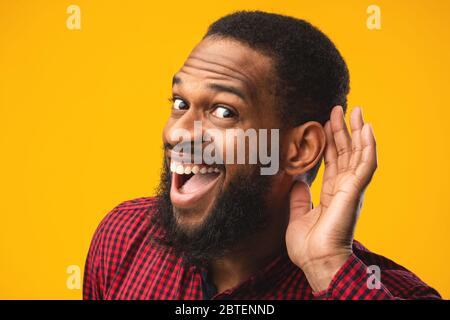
x: 124, y: 262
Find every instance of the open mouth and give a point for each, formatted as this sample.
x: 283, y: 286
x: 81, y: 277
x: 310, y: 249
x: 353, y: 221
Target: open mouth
x: 190, y: 183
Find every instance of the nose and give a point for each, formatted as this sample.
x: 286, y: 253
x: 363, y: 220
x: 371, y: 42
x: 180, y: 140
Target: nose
x: 186, y: 139
x: 185, y: 129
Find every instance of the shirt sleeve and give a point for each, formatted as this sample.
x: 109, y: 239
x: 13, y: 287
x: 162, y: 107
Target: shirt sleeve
x: 356, y: 281
x: 124, y: 225
x: 92, y: 280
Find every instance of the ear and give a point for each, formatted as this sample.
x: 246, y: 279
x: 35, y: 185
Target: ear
x: 304, y: 147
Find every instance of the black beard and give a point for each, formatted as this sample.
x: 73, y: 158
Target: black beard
x: 239, y: 212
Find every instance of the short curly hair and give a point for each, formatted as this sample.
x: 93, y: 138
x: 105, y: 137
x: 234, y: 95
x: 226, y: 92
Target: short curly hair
x: 312, y: 76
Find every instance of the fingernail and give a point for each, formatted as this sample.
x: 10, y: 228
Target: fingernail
x: 359, y: 109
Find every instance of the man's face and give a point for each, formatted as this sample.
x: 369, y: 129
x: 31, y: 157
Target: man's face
x: 224, y: 85
x: 207, y: 210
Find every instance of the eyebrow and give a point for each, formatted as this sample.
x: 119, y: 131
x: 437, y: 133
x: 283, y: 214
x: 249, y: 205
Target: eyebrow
x: 216, y: 87
x: 223, y: 88
x: 176, y: 80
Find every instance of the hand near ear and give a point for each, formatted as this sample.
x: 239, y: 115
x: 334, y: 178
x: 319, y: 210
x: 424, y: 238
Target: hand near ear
x: 319, y: 240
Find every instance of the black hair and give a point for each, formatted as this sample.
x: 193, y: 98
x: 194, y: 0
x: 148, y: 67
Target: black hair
x: 312, y: 77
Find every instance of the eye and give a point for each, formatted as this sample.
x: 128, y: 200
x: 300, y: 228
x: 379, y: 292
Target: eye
x: 179, y: 104
x: 223, y: 112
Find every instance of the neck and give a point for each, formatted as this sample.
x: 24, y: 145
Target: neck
x: 251, y: 255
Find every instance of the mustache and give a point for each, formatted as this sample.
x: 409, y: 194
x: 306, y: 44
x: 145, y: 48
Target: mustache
x: 194, y: 157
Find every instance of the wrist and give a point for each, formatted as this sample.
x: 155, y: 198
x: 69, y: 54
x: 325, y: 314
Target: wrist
x: 320, y: 272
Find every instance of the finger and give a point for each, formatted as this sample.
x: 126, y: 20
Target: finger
x: 341, y: 138
x: 368, y: 163
x: 330, y: 154
x: 356, y: 124
x: 300, y: 201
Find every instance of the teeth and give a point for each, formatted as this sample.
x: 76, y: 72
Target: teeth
x: 180, y: 169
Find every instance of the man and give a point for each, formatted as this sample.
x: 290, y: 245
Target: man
x: 224, y: 230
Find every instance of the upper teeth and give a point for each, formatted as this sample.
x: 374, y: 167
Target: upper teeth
x: 188, y: 168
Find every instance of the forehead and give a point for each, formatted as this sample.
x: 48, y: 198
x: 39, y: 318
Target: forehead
x: 228, y: 60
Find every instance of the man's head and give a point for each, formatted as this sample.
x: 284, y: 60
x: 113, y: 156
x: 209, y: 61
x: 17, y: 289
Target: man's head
x: 252, y: 70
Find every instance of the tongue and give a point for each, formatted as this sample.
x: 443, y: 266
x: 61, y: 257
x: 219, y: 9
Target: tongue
x: 197, y: 182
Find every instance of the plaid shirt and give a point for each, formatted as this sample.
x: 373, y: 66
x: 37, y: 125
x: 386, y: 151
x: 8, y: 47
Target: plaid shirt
x: 124, y: 262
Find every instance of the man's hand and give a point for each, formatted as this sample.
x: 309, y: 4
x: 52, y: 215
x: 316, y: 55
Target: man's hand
x: 319, y: 240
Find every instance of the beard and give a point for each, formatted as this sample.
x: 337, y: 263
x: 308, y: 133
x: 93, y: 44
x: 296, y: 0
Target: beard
x: 238, y: 213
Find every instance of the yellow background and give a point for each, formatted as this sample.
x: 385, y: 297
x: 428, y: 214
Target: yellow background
x: 81, y: 114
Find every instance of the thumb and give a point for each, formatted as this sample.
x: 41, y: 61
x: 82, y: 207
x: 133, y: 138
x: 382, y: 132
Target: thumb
x: 300, y: 202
